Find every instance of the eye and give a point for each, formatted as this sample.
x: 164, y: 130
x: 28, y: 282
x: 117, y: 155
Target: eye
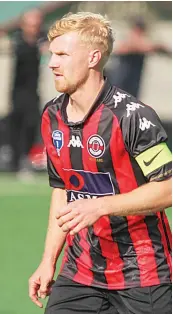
x: 62, y: 54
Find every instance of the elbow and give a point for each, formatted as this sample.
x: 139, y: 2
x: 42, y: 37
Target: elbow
x: 168, y: 192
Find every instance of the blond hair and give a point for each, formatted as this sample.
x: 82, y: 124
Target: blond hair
x: 94, y: 30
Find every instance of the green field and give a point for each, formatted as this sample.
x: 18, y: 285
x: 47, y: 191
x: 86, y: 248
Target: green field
x: 23, y: 223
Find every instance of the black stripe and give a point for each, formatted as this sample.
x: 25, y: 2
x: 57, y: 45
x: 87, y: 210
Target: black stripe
x: 98, y: 260
x: 74, y: 251
x: 121, y: 236
x: 139, y: 176
x: 52, y: 112
x: 155, y: 236
x: 76, y: 162
x: 76, y: 152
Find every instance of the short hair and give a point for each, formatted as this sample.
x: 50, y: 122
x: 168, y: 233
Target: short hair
x: 94, y: 30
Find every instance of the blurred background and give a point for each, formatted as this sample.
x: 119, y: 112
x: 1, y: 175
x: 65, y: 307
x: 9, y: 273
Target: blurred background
x: 26, y: 84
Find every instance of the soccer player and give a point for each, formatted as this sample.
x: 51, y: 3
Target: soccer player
x: 110, y: 168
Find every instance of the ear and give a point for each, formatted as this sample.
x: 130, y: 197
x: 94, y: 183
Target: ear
x: 94, y: 58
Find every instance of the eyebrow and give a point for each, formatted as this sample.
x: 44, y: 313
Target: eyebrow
x: 59, y: 52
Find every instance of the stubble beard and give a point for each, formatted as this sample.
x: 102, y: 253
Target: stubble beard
x: 70, y: 88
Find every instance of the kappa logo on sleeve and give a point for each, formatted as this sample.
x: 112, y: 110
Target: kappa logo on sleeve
x: 118, y: 98
x: 85, y: 184
x: 145, y: 124
x: 132, y: 107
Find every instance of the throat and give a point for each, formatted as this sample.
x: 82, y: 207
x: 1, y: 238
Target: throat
x: 75, y: 115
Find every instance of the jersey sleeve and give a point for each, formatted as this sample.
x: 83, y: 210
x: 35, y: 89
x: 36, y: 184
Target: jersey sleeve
x: 55, y: 179
x: 145, y: 140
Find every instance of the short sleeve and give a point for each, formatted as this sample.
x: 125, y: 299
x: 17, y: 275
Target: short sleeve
x: 55, y: 179
x: 145, y: 140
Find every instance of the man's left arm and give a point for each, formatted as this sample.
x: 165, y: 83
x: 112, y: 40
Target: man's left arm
x: 145, y: 200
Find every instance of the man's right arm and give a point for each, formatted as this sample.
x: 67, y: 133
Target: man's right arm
x: 55, y: 237
x: 40, y: 282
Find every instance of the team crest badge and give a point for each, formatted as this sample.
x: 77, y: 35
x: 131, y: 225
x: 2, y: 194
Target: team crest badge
x: 96, y: 146
x: 58, y: 140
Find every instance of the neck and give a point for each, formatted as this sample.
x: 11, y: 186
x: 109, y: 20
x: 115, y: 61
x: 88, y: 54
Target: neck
x: 83, y: 98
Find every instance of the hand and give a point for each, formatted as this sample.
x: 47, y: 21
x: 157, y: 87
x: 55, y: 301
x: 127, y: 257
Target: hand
x: 79, y: 214
x: 40, y: 282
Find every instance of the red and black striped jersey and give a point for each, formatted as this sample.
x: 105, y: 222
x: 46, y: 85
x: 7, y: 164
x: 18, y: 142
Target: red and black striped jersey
x: 118, y: 146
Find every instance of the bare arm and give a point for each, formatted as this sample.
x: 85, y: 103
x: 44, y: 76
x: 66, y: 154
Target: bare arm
x: 55, y: 236
x: 40, y: 282
x: 148, y: 198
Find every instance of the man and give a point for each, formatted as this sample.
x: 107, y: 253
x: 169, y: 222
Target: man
x: 110, y: 170
x: 127, y: 60
x: 29, y: 42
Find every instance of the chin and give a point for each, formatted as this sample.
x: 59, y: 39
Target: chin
x: 64, y: 88
x: 61, y: 88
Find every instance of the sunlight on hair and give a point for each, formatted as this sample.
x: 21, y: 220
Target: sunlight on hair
x: 94, y: 29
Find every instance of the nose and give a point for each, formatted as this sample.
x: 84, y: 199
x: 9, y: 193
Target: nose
x: 54, y: 61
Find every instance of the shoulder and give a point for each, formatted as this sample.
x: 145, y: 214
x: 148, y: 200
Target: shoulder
x: 54, y: 102
x: 124, y: 105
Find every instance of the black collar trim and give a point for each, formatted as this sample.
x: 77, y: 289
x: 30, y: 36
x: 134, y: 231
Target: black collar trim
x: 99, y: 100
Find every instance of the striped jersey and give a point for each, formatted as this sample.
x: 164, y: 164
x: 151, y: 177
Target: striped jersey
x: 118, y: 146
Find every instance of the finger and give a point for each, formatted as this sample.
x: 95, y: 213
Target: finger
x: 74, y: 222
x: 33, y: 290
x: 36, y: 301
x: 42, y: 294
x: 65, y: 210
x: 78, y: 228
x: 71, y: 224
x: 44, y: 289
x: 64, y: 219
x: 50, y: 287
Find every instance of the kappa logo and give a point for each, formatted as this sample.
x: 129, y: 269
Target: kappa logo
x: 58, y: 140
x: 75, y: 142
x: 145, y: 124
x: 96, y: 146
x: 119, y: 97
x: 132, y: 107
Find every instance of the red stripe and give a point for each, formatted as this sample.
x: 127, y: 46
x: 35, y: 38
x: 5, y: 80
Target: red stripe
x: 46, y: 131
x: 168, y: 230
x: 164, y: 243
x: 65, y: 152
x: 136, y: 225
x: 102, y: 227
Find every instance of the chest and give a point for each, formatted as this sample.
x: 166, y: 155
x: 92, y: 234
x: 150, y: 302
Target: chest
x: 92, y: 146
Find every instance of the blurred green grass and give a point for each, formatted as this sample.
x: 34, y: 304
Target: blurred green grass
x: 23, y: 224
